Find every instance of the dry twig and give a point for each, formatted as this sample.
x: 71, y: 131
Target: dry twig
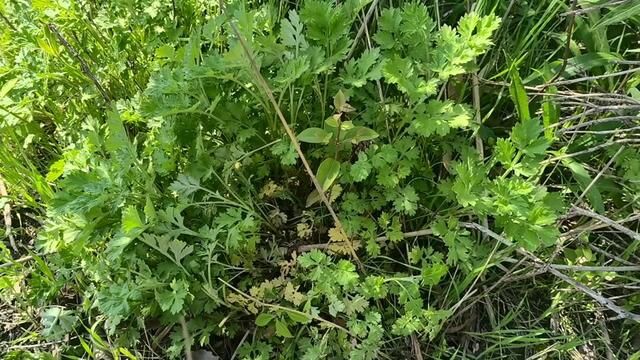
x: 605, y: 220
x: 361, y: 30
x: 83, y: 65
x: 6, y: 212
x: 622, y: 313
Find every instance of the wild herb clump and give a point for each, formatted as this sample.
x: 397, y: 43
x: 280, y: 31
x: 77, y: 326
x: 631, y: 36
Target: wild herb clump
x: 315, y: 180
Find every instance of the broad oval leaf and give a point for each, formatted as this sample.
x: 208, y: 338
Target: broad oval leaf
x: 361, y: 133
x: 298, y: 316
x: 264, y: 319
x: 328, y: 172
x: 332, y: 121
x: 313, y: 198
x: 282, y: 329
x: 315, y: 136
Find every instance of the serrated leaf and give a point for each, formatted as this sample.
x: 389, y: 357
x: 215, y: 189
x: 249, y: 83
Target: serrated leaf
x: 117, y: 141
x: 328, y: 172
x: 131, y: 221
x: 356, y: 305
x: 358, y: 72
x: 336, y: 234
x: 292, y: 70
x: 433, y: 273
x: 291, y: 32
x: 55, y: 170
x: 173, y: 300
x: 57, y: 321
x: 180, y: 249
x: 439, y: 117
x: 335, y: 306
x: 361, y: 169
x: 526, y: 132
x: 315, y: 136
x: 185, y: 185
x: 149, y: 211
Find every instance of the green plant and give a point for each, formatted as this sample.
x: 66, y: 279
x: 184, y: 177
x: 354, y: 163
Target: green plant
x: 174, y: 213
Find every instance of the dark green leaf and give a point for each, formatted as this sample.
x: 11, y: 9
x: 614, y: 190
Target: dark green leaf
x: 519, y: 95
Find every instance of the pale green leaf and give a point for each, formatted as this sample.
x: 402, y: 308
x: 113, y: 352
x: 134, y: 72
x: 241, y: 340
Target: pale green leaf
x: 264, y: 319
x: 315, y: 136
x: 361, y: 133
x: 282, y: 329
x: 328, y: 172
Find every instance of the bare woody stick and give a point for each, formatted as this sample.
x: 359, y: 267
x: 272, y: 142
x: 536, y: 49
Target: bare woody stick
x: 83, y: 65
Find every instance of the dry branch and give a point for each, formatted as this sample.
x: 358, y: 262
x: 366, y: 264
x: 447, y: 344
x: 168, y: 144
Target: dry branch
x: 622, y: 313
x: 539, y: 264
x: 83, y: 65
x: 6, y: 212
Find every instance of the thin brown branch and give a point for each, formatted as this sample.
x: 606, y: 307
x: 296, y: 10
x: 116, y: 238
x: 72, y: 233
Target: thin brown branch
x: 604, y: 132
x: 415, y: 345
x: 595, y: 77
x: 187, y: 339
x: 609, y: 255
x: 83, y: 65
x: 594, y: 149
x: 8, y: 22
x: 381, y: 239
x: 621, y: 312
x: 596, y: 226
x: 624, y: 119
x: 605, y: 220
x: 6, y: 212
x: 595, y: 179
x: 630, y: 268
x: 594, y: 97
x: 17, y: 261
x: 366, y: 19
x: 567, y: 47
x: 594, y: 7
